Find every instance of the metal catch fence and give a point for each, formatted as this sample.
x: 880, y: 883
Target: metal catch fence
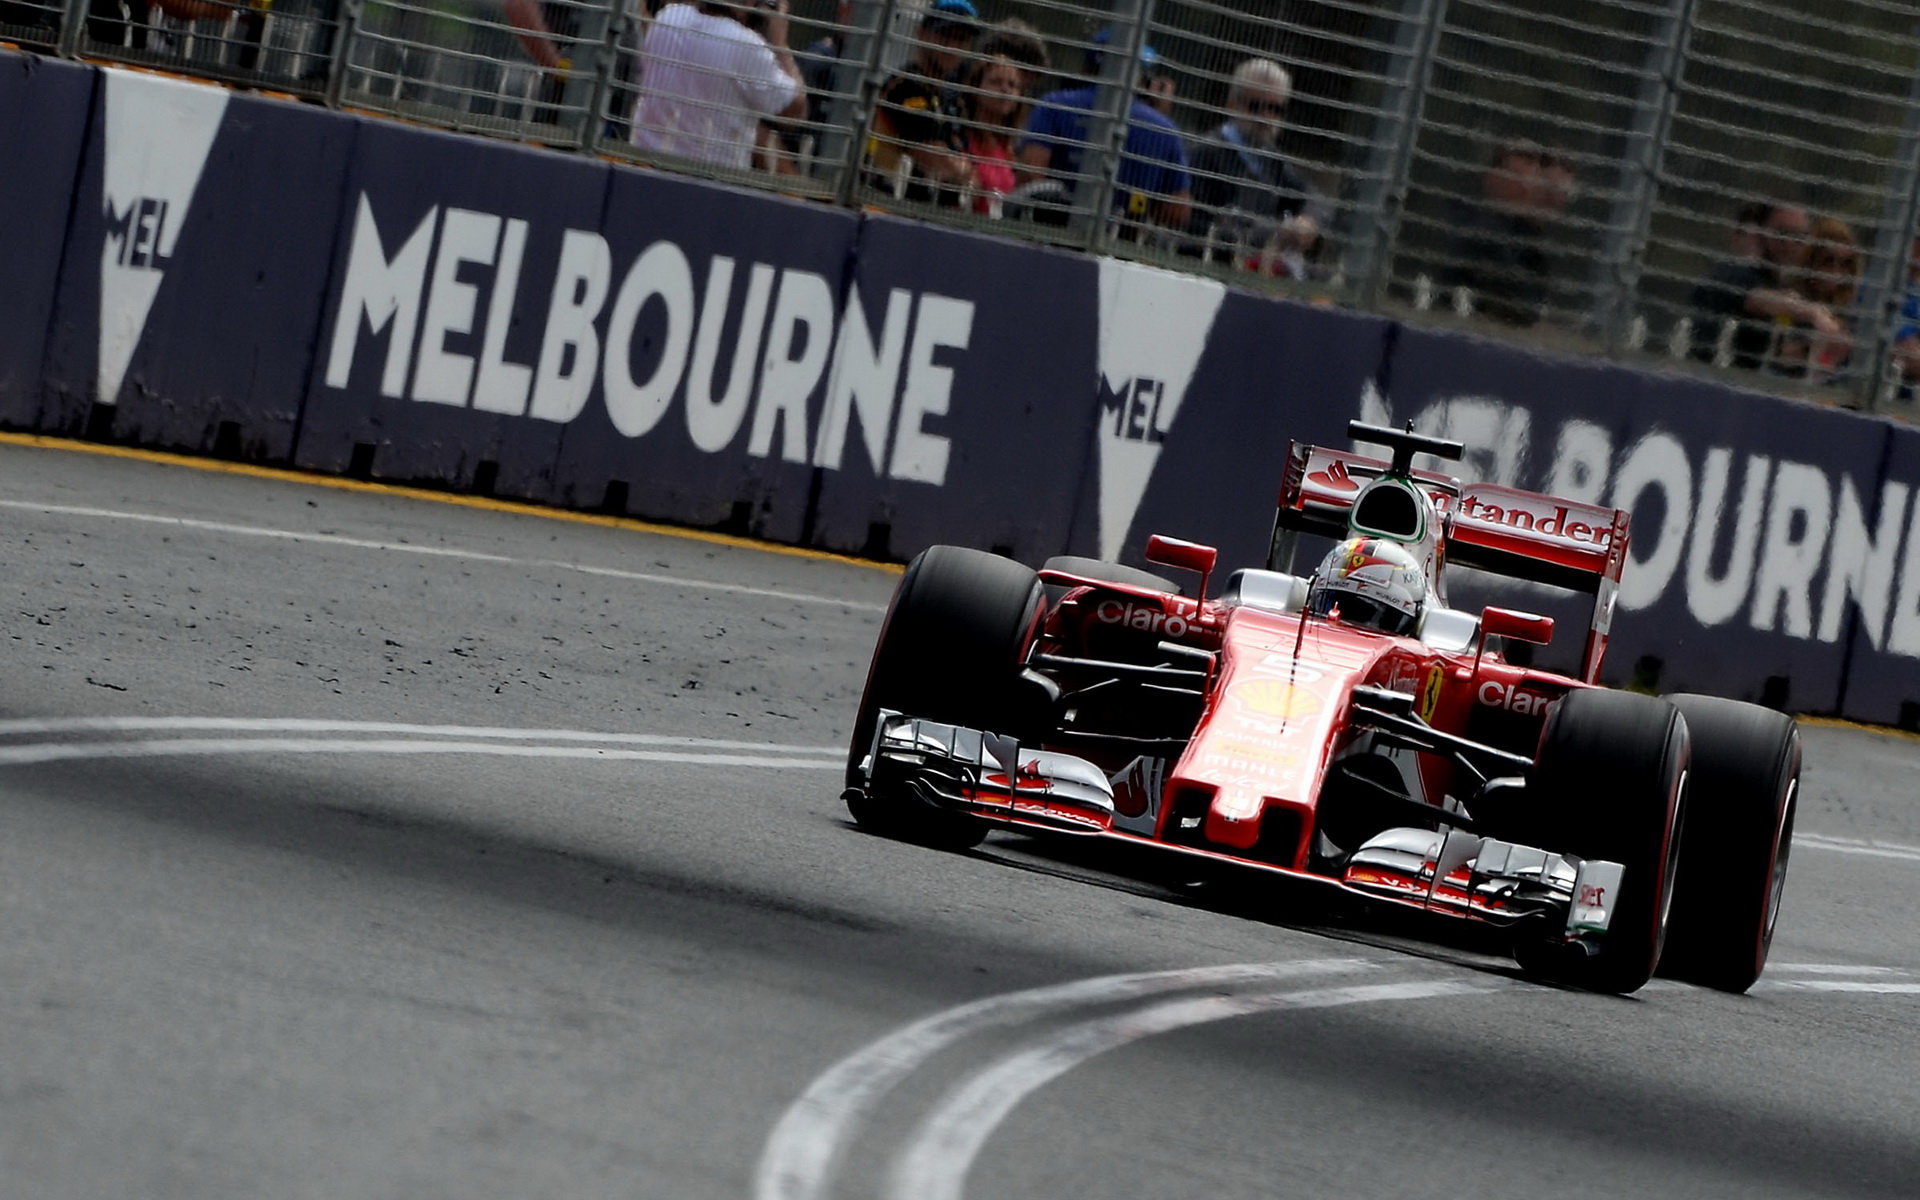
x: 1722, y: 186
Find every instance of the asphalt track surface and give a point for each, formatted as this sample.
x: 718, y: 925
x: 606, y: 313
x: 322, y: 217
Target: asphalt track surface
x: 355, y: 845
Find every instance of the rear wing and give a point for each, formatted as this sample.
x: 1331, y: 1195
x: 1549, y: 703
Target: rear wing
x: 1521, y: 535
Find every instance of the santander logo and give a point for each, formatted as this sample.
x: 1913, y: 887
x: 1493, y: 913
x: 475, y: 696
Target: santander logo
x: 1334, y: 477
x: 1490, y: 505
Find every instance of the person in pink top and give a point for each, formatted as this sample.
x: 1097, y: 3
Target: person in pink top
x: 994, y: 101
x: 708, y: 77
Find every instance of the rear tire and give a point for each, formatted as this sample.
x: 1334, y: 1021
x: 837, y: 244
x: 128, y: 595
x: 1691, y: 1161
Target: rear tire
x: 1610, y: 774
x: 950, y: 650
x: 1742, y: 794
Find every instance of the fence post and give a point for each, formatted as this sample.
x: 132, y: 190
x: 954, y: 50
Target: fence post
x: 1092, y: 200
x: 1623, y: 256
x: 72, y: 25
x: 857, y: 81
x: 1383, y: 180
x: 352, y: 13
x: 613, y: 43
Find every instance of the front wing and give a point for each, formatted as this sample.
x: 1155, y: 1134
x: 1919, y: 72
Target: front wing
x: 992, y: 777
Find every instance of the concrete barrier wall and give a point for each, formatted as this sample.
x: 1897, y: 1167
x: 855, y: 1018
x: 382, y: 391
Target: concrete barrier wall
x: 223, y: 273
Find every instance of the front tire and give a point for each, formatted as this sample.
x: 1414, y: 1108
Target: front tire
x: 1612, y: 766
x: 1742, y: 795
x: 950, y: 650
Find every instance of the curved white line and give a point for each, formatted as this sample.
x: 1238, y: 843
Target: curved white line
x: 183, y: 747
x: 810, y: 1136
x: 335, y: 539
x: 302, y: 725
x: 935, y: 1163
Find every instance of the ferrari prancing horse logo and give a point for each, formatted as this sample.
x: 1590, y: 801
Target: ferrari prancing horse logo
x: 1430, y: 691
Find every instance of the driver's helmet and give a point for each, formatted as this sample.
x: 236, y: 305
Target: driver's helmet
x: 1371, y: 583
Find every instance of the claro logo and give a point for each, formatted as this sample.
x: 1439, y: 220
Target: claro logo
x: 446, y: 298
x: 1495, y: 694
x: 1146, y: 620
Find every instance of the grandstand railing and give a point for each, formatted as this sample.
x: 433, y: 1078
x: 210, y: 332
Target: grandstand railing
x: 1646, y: 127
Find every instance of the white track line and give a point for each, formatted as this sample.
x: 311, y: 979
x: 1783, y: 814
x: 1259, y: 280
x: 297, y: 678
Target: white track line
x: 1832, y: 969
x: 1871, y: 849
x: 181, y: 747
x: 335, y: 539
x: 259, y: 531
x: 738, y: 589
x: 45, y: 725
x: 1877, y: 987
x: 801, y: 1152
x: 935, y: 1162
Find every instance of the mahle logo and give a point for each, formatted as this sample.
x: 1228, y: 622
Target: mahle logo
x: 156, y: 135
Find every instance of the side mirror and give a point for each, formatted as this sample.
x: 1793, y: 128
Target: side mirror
x: 1173, y: 552
x: 1520, y: 626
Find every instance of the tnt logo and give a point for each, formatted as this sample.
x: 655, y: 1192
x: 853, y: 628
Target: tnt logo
x: 1134, y: 408
x: 139, y: 233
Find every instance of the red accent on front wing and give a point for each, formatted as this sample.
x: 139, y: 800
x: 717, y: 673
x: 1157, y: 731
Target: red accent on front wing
x: 1041, y: 812
x: 1452, y: 901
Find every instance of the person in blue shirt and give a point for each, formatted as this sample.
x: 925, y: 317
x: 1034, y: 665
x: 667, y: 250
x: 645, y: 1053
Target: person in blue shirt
x: 1153, y: 187
x: 1906, y: 337
x: 1254, y: 208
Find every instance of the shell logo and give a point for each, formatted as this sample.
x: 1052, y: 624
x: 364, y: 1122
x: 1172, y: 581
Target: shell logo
x: 1276, y: 698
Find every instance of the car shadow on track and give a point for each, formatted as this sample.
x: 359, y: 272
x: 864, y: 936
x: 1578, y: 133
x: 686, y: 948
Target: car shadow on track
x: 1303, y: 906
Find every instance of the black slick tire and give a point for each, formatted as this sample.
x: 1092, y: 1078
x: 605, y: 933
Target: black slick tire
x: 949, y: 650
x: 1742, y: 794
x: 1610, y: 775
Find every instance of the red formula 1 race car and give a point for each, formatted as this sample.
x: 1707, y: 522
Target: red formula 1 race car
x: 1347, y: 726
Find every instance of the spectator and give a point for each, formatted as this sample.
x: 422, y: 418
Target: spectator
x: 1158, y: 90
x: 706, y: 79
x: 543, y: 30
x: 912, y: 148
x: 1018, y: 42
x: 1832, y: 280
x: 788, y: 147
x: 550, y: 33
x: 128, y: 23
x: 1251, y: 205
x: 1153, y: 184
x: 1751, y: 288
x: 993, y: 106
x: 1906, y: 336
x: 1498, y: 250
x: 821, y: 60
